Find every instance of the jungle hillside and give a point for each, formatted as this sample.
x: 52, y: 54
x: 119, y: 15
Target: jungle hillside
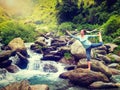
x: 29, y: 18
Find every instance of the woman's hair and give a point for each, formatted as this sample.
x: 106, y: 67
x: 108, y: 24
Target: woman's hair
x: 85, y: 31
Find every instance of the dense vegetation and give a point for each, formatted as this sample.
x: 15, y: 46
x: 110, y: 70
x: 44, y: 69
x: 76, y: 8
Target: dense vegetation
x: 60, y: 15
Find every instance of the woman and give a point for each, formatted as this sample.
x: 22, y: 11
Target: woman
x: 87, y: 44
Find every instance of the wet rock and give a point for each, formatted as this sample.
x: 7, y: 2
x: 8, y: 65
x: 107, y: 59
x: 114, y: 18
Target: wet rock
x: 51, y: 57
x: 36, y: 48
x: 5, y: 63
x: 22, y: 62
x: 58, y: 44
x: 3, y: 74
x: 50, y: 68
x: 83, y: 77
x: 4, y: 55
x: 12, y: 69
x: 95, y: 66
x: 102, y: 85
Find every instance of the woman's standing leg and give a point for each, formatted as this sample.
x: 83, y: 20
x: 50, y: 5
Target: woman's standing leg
x: 88, y: 55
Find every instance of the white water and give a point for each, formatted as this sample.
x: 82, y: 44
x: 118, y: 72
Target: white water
x: 35, y: 68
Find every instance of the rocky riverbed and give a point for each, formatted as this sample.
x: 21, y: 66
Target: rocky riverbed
x: 104, y: 72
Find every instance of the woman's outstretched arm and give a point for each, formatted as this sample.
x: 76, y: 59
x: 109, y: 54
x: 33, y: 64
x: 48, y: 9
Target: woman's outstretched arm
x: 73, y: 36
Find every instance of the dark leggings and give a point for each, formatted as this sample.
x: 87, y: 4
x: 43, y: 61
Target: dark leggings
x: 88, y: 50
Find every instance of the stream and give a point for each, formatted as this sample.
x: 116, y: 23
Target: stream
x: 36, y: 73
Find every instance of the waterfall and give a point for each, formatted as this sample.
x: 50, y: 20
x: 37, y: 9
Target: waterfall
x: 37, y: 72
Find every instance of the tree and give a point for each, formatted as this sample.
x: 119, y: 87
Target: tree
x: 67, y: 10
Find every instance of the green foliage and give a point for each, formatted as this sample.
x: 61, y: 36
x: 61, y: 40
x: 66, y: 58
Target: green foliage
x: 67, y: 10
x: 112, y: 28
x: 66, y: 26
x: 117, y: 50
x: 87, y: 26
x: 118, y: 67
x: 67, y: 55
x: 12, y: 29
x: 111, y: 57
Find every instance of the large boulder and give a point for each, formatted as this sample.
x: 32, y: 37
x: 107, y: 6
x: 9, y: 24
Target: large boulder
x: 17, y: 44
x: 83, y: 77
x: 95, y: 66
x: 78, y: 50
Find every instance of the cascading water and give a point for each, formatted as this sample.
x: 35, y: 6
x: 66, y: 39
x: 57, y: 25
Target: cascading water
x: 37, y: 72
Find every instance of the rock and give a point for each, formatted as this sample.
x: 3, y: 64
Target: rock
x: 39, y: 87
x: 101, y: 48
x: 22, y: 62
x: 41, y: 41
x: 95, y: 66
x: 12, y: 69
x: 84, y: 77
x: 116, y: 57
x: 3, y: 71
x: 70, y: 61
x: 49, y: 68
x: 78, y: 50
x: 103, y: 52
x: 112, y: 46
x: 115, y: 78
x: 104, y: 58
x: 70, y: 67
x: 36, y: 48
x: 17, y: 44
x: 102, y: 85
x: 4, y: 55
x: 58, y: 44
x: 113, y: 65
x: 115, y: 71
x: 5, y: 63
x: 51, y: 57
x: 24, y: 85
